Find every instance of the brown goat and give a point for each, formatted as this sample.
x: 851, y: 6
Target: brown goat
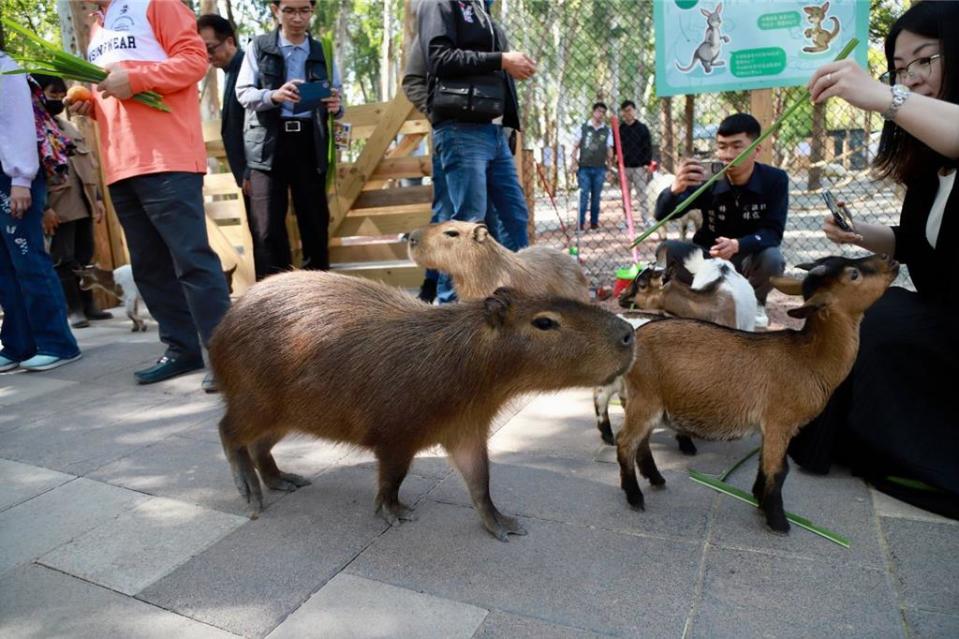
x: 359, y: 362
x: 479, y: 264
x: 719, y: 383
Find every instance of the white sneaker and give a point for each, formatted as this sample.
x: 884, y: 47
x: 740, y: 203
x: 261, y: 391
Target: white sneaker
x: 7, y: 364
x: 762, y: 320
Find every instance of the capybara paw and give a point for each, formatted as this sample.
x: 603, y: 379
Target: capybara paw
x: 395, y: 513
x: 511, y: 525
x: 286, y: 481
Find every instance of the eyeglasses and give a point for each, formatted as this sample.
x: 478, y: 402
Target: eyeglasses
x: 211, y: 48
x: 303, y: 12
x: 918, y: 69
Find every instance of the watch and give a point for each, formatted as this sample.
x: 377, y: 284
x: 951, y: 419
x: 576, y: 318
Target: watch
x: 899, y: 96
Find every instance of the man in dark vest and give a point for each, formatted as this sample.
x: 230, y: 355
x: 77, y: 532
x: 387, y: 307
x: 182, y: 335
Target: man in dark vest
x: 224, y: 52
x: 285, y: 149
x: 592, y: 153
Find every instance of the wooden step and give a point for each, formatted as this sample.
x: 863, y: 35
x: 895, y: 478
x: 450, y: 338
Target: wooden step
x: 402, y: 273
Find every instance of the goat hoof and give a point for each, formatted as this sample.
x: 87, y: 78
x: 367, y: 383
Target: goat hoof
x: 686, y: 445
x: 608, y: 439
x: 778, y: 527
x: 636, y: 502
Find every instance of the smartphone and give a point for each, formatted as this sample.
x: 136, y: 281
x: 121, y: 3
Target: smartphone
x: 712, y: 167
x: 839, y: 212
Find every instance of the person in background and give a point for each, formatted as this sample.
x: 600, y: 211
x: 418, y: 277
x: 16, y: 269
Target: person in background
x: 34, y: 335
x: 894, y: 415
x: 73, y: 206
x: 637, y: 155
x: 592, y: 154
x: 285, y: 149
x: 154, y: 163
x: 224, y: 53
x: 744, y: 212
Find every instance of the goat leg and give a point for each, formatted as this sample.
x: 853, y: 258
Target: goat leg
x: 626, y: 446
x: 686, y: 445
x: 471, y: 459
x: 646, y: 463
x: 393, y: 466
x: 774, y: 468
x: 601, y: 399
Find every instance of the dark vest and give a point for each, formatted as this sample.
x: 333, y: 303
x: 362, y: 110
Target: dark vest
x: 592, y: 146
x: 262, y: 128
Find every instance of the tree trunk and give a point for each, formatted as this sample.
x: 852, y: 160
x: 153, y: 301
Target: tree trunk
x: 817, y: 145
x: 667, y: 147
x: 689, y: 118
x: 385, y: 50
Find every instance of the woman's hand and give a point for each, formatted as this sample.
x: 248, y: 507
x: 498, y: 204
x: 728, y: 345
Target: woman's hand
x: 50, y: 222
x: 847, y: 80
x: 839, y: 236
x: 20, y: 200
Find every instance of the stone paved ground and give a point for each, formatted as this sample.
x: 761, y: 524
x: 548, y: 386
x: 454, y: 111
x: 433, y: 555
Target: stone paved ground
x: 118, y: 518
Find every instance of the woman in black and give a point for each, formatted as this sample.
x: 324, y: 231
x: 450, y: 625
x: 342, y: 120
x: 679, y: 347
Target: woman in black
x: 894, y: 419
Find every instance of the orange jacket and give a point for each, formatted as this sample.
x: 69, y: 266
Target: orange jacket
x: 136, y: 139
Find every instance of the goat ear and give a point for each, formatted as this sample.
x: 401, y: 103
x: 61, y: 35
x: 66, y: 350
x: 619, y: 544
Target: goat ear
x: 787, y: 285
x: 496, y: 307
x: 805, y: 310
x: 480, y: 233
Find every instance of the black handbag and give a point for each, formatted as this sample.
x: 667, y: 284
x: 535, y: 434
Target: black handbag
x: 473, y: 98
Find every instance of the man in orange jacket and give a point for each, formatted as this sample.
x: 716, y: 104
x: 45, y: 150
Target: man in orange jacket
x: 154, y: 164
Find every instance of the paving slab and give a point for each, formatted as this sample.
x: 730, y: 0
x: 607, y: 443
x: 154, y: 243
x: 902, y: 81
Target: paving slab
x: 20, y: 386
x: 502, y: 625
x: 837, y: 501
x: 142, y: 545
x: 925, y: 564
x: 887, y: 506
x: 563, y: 574
x: 100, y: 362
x: 588, y: 494
x: 350, y: 607
x: 81, y: 441
x: 926, y: 624
x: 757, y: 594
x: 36, y: 602
x: 196, y: 472
x: 22, y: 481
x: 39, y: 525
x: 253, y: 578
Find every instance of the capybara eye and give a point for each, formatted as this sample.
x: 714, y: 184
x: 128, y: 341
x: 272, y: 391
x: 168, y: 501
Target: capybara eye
x: 853, y: 274
x: 451, y: 233
x: 545, y: 323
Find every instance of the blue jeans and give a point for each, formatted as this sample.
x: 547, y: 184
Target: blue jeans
x: 479, y: 171
x: 591, y: 180
x: 178, y: 274
x: 35, y: 311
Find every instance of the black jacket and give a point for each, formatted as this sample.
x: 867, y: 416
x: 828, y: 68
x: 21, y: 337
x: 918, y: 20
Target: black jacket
x: 262, y: 128
x: 934, y: 271
x: 754, y: 214
x: 458, y: 39
x: 637, y: 144
x: 231, y: 121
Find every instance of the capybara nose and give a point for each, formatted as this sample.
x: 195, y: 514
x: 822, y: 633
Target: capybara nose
x: 405, y: 237
x: 628, y: 337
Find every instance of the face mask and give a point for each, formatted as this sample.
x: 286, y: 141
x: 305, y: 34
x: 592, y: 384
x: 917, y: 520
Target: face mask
x: 54, y: 107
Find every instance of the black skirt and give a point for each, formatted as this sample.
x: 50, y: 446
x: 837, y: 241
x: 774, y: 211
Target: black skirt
x: 895, y: 415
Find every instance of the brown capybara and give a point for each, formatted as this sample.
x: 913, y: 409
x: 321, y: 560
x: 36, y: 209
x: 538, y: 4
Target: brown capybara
x: 479, y: 264
x: 359, y: 362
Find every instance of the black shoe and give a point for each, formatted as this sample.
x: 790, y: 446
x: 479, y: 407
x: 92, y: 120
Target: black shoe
x: 77, y: 320
x: 593, y: 227
x: 94, y: 314
x: 209, y: 384
x: 168, y: 367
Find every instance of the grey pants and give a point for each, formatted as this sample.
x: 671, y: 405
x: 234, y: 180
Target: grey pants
x: 637, y: 178
x: 178, y: 274
x: 759, y: 267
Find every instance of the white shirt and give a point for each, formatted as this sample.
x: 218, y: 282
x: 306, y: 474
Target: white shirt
x: 934, y: 223
x: 18, y: 143
x: 578, y: 135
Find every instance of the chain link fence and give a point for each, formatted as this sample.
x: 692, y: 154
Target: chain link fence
x: 590, y: 51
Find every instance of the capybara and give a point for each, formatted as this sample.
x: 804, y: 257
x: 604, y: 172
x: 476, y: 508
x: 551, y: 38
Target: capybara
x: 479, y: 264
x: 359, y: 362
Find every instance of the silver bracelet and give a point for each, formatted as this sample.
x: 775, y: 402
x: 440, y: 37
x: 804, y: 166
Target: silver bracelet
x: 899, y: 96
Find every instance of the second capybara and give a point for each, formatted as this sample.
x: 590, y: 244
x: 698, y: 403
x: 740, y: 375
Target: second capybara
x: 362, y: 363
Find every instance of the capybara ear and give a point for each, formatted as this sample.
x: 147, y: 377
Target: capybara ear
x: 787, y: 285
x: 480, y: 233
x: 497, y: 306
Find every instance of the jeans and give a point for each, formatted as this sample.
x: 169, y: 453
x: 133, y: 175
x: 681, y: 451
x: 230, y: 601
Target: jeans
x: 480, y: 173
x: 35, y: 312
x: 591, y: 180
x: 759, y: 267
x: 178, y: 274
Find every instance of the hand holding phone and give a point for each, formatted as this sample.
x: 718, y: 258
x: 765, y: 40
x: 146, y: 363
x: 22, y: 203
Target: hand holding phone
x: 839, y: 212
